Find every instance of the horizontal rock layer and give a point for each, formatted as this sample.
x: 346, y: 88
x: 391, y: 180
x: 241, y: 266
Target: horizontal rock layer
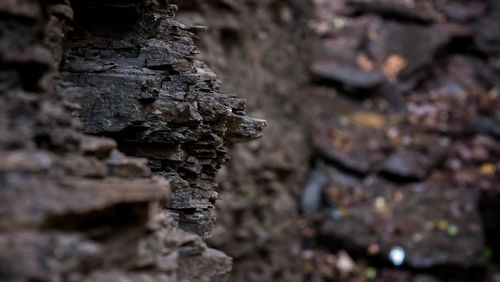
x: 138, y: 82
x: 126, y: 203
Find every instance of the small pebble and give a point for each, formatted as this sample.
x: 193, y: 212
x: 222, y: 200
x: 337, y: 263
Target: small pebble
x: 397, y: 256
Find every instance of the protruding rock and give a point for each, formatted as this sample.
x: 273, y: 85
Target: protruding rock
x: 121, y: 165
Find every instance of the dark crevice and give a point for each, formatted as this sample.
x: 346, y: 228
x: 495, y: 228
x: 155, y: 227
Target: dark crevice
x: 338, y: 165
x: 489, y: 206
x: 102, y: 223
x: 99, y: 12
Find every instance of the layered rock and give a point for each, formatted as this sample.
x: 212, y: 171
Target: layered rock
x: 155, y: 99
x: 259, y: 50
x: 76, y: 207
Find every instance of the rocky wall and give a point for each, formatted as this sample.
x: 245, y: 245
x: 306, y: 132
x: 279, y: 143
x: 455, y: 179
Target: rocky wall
x: 111, y: 136
x: 260, y: 51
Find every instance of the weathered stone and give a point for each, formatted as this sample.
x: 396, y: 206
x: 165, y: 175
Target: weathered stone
x: 156, y: 100
x: 311, y: 195
x: 485, y: 125
x: 354, y: 147
x: 212, y: 265
x: 29, y: 9
x: 85, y: 166
x: 486, y: 36
x: 100, y: 147
x: 26, y: 161
x: 411, y: 164
x: 434, y: 224
x: 69, y: 196
x: 350, y: 78
x: 417, y: 45
x: 418, y: 11
x: 45, y: 256
x: 104, y: 276
x: 72, y: 206
x: 464, y: 11
x: 123, y: 166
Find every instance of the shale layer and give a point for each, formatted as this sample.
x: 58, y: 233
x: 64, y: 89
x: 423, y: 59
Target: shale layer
x: 111, y: 137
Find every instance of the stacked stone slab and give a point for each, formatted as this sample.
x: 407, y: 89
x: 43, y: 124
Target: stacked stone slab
x: 137, y: 81
x: 78, y: 206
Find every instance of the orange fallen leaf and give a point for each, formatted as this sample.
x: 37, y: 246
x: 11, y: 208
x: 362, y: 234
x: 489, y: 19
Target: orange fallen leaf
x: 392, y: 66
x: 365, y: 63
x: 368, y: 119
x: 373, y: 249
x: 487, y: 169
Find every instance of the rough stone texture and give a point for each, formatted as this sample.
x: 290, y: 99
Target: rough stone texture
x: 258, y: 48
x: 155, y: 99
x: 75, y: 207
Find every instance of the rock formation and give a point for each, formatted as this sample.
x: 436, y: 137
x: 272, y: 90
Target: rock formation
x: 112, y: 134
x: 259, y: 49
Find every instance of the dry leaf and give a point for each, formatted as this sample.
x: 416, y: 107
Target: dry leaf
x: 368, y: 119
x: 392, y: 66
x: 487, y: 169
x: 365, y: 63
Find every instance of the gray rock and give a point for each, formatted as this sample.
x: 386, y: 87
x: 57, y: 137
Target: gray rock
x: 350, y: 78
x: 72, y: 206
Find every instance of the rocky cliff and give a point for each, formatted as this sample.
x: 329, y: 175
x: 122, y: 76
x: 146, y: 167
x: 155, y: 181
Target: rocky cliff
x: 400, y: 106
x: 260, y: 49
x: 111, y: 137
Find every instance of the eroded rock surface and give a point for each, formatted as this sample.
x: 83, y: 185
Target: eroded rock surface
x: 155, y: 99
x: 133, y: 201
x: 259, y: 50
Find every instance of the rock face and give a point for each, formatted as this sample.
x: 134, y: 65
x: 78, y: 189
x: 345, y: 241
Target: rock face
x: 259, y: 49
x: 130, y: 202
x: 155, y: 99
